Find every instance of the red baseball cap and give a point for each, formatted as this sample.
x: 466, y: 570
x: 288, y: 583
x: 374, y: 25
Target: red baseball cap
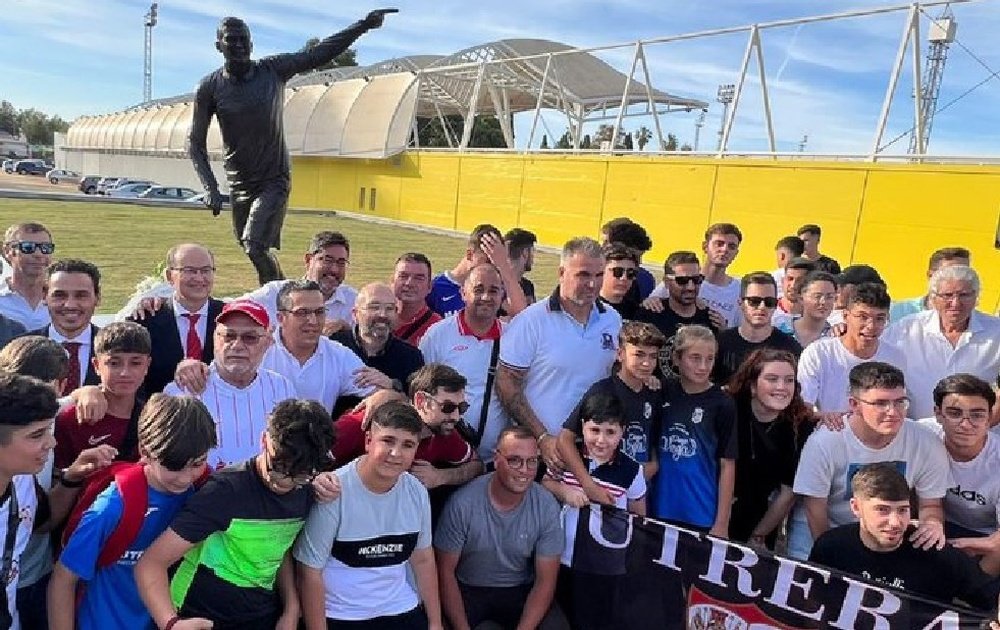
x: 251, y: 309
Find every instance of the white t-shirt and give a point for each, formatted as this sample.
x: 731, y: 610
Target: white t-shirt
x: 326, y: 375
x: 240, y: 414
x: 339, y: 306
x: 562, y: 358
x: 973, y: 501
x: 824, y: 368
x: 725, y: 300
x: 23, y: 487
x: 830, y: 459
x: 931, y: 357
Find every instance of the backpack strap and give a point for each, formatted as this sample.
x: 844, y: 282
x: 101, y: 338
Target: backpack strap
x: 415, y: 325
x: 133, y: 489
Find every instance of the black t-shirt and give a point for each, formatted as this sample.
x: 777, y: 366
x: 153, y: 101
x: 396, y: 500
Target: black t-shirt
x: 734, y: 348
x: 943, y: 574
x: 398, y: 360
x: 625, y: 308
x: 528, y: 287
x: 668, y: 321
x: 642, y: 410
x: 768, y: 457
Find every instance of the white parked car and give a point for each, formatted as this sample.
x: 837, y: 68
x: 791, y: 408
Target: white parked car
x: 168, y: 193
x: 58, y: 176
x: 128, y: 191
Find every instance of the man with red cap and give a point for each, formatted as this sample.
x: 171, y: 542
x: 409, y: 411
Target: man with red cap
x: 238, y: 392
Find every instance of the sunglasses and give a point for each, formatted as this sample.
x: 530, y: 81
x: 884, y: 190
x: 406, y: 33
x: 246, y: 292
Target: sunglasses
x: 448, y: 406
x: 629, y: 272
x: 684, y: 280
x: 279, y: 478
x: 249, y: 339
x: 30, y: 247
x: 754, y: 301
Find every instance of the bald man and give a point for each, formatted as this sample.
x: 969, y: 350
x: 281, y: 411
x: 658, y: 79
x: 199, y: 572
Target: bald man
x: 376, y: 315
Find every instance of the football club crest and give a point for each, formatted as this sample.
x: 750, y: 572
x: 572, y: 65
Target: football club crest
x: 697, y: 415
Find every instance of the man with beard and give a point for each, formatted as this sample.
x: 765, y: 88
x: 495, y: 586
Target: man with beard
x: 239, y: 394
x: 326, y: 262
x: 879, y: 547
x: 521, y: 250
x: 411, y: 284
x: 470, y: 343
x: 72, y: 293
x: 247, y: 97
x: 373, y: 341
x: 498, y: 544
x: 721, y: 291
x: 28, y: 247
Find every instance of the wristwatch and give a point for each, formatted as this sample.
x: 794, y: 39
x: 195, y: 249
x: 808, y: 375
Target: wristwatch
x: 65, y: 482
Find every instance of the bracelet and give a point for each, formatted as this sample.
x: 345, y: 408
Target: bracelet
x: 66, y: 483
x: 172, y: 622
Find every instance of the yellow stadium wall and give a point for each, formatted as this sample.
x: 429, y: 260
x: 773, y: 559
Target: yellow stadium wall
x: 891, y: 216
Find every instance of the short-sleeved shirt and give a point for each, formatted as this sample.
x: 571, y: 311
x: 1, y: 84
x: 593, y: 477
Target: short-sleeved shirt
x: 831, y: 458
x: 110, y: 597
x: 398, y: 359
x: 241, y: 530
x: 438, y: 450
x: 14, y: 306
x: 240, y: 414
x: 697, y: 430
x: 363, y: 541
x: 74, y: 437
x: 445, y: 297
x: 734, y: 349
x: 26, y: 491
x: 498, y: 549
x: 339, y: 306
x: 528, y: 288
x: 824, y: 367
x: 325, y: 376
x: 561, y: 357
x: 668, y: 321
x: 641, y: 413
x: 940, y: 574
x: 910, y: 306
x: 412, y: 331
x: 973, y: 501
x: 725, y: 300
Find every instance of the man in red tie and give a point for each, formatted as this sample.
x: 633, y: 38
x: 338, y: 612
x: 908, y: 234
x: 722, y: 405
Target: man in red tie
x: 72, y: 293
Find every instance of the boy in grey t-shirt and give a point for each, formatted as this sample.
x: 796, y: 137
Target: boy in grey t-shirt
x: 498, y: 544
x: 352, y: 553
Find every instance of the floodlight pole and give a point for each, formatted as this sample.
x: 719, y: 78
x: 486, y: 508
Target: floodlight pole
x: 147, y: 73
x: 724, y: 96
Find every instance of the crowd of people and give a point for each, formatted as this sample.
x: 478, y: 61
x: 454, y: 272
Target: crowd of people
x: 418, y: 453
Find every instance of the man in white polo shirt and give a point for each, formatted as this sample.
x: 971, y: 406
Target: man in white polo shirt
x: 470, y: 343
x: 951, y: 337
x: 28, y: 247
x: 239, y: 394
x: 326, y: 262
x: 554, y: 350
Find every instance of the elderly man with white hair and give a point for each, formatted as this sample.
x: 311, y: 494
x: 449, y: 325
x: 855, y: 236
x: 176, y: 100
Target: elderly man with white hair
x: 949, y: 338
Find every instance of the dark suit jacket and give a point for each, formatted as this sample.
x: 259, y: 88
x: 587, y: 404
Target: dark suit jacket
x: 167, y: 348
x: 91, y: 377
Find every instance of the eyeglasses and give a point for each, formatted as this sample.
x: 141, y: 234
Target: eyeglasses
x: 900, y: 404
x: 684, y: 280
x: 30, y: 247
x: 330, y: 260
x: 448, y: 406
x: 531, y: 463
x: 278, y: 478
x: 755, y: 301
x: 194, y: 271
x: 387, y: 309
x: 819, y: 298
x: 305, y: 313
x: 956, y: 415
x: 248, y: 338
x: 961, y: 296
x: 864, y: 318
x: 629, y: 272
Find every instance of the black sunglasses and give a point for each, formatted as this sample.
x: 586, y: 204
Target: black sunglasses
x: 29, y: 247
x: 755, y: 301
x: 628, y: 272
x: 448, y: 406
x: 683, y: 280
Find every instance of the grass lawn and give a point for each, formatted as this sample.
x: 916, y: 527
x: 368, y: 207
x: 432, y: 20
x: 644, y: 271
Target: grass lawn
x: 128, y: 242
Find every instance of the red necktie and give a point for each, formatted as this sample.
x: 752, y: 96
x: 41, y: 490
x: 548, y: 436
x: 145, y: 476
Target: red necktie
x: 193, y: 340
x: 73, y: 369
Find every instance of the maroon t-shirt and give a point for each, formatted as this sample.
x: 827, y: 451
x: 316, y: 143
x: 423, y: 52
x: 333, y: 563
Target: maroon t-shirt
x: 73, y: 437
x: 438, y: 450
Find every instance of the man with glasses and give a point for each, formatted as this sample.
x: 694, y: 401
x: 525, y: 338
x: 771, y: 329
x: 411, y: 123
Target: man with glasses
x: 621, y: 268
x: 498, y: 544
x: 182, y: 327
x: 951, y: 337
x: 876, y: 430
x: 944, y: 257
x: 28, y: 248
x: 757, y: 303
x: 238, y: 393
x: 326, y: 261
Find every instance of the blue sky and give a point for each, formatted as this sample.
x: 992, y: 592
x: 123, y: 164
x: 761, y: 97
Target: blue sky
x: 827, y: 80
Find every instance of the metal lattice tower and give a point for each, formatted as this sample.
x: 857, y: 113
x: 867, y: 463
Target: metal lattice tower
x: 940, y: 38
x: 147, y: 73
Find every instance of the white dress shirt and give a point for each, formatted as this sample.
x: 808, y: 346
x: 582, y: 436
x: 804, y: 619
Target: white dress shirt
x: 86, y: 341
x: 14, y: 306
x: 183, y: 323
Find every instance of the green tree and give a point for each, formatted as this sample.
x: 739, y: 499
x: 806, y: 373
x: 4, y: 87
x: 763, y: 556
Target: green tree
x: 586, y: 143
x: 670, y: 144
x: 346, y: 58
x: 545, y: 142
x: 686, y: 147
x: 642, y: 137
x: 627, y: 142
x: 37, y: 127
x: 486, y: 132
x: 8, y: 118
x: 565, y: 141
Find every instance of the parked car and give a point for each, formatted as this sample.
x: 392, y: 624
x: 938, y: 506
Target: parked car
x: 107, y: 183
x: 8, y: 166
x: 32, y: 167
x: 88, y: 185
x: 199, y: 200
x: 122, y: 181
x: 58, y: 176
x: 168, y: 193
x: 128, y: 191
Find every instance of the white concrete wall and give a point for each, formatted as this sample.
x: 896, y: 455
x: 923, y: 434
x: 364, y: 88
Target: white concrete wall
x: 168, y: 171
